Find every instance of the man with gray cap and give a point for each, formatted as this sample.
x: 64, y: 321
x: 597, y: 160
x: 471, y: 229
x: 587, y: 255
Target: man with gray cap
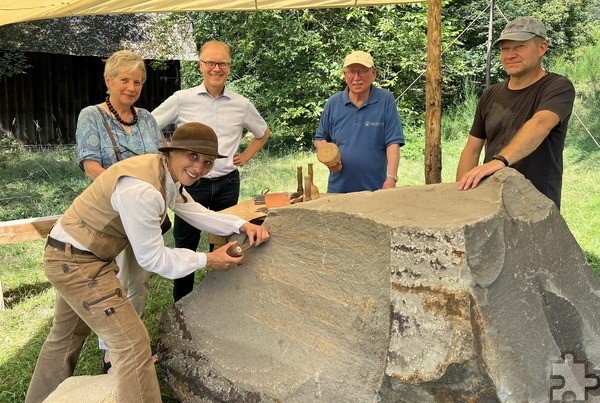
x: 522, y: 121
x: 363, y: 122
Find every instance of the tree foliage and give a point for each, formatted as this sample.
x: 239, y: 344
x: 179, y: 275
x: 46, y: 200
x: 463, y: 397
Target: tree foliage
x: 91, y: 35
x: 12, y: 62
x: 94, y: 35
x: 571, y: 25
x: 289, y: 62
x: 585, y: 123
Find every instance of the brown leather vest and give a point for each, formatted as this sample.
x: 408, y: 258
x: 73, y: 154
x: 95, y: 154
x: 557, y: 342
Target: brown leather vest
x: 93, y: 222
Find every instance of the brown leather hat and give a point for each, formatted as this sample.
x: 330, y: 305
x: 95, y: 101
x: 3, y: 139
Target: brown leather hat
x: 196, y: 137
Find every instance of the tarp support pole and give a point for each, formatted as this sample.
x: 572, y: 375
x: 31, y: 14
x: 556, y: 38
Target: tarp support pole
x: 433, y: 97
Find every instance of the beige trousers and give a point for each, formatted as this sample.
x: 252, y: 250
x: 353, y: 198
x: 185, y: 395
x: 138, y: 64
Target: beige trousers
x: 89, y: 296
x: 135, y: 282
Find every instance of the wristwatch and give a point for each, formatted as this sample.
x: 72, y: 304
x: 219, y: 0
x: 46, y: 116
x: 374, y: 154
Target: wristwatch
x: 394, y: 177
x: 501, y: 158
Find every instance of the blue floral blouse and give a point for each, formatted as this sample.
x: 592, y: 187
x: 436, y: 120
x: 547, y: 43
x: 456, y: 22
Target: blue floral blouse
x: 93, y: 142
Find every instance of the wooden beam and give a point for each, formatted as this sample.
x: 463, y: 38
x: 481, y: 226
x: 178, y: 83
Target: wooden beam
x: 28, y: 229
x: 433, y: 97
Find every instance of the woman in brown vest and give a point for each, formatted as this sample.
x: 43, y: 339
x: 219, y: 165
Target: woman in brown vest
x: 126, y: 205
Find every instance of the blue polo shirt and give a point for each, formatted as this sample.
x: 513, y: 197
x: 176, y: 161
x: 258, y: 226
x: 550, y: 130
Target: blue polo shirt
x: 362, y: 136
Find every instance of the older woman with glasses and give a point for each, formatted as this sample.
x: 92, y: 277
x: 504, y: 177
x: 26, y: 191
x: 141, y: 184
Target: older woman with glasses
x: 113, y: 131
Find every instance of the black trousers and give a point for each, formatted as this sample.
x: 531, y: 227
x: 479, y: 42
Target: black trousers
x: 215, y: 194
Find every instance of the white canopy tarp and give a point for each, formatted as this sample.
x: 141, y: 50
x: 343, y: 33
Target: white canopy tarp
x: 12, y: 11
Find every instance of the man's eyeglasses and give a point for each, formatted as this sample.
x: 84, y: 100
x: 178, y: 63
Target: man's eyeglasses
x: 353, y: 72
x: 211, y: 65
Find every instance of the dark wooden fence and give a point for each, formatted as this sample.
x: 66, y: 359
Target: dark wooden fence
x: 41, y: 106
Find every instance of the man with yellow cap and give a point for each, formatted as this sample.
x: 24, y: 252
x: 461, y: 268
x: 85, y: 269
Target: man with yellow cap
x: 362, y: 122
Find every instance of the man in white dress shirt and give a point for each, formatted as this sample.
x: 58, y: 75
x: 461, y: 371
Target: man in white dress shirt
x: 229, y: 115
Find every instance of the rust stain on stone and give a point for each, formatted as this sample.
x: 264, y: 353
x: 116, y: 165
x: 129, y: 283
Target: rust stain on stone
x: 439, y: 300
x: 460, y: 254
x: 416, y: 377
x: 448, y: 304
x: 478, y: 339
x: 477, y: 326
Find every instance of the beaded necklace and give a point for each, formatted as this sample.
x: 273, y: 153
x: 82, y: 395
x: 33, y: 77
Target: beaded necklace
x: 119, y: 118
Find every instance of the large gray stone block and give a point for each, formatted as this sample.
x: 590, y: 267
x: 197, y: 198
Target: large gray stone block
x: 416, y: 294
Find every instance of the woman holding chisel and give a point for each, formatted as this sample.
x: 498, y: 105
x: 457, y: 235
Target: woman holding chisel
x: 126, y: 205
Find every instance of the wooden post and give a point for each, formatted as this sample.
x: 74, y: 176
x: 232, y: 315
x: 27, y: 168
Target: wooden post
x: 433, y: 98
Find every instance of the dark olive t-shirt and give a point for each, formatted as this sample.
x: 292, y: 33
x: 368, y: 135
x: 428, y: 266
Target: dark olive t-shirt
x: 501, y: 112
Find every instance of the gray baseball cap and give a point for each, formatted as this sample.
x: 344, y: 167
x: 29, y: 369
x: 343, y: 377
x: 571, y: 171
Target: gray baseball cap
x: 522, y: 29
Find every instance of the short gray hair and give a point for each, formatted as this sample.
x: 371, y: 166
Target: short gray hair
x: 124, y: 60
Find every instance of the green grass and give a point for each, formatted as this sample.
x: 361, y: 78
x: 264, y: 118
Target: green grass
x: 43, y: 183
x: 581, y: 201
x: 37, y: 183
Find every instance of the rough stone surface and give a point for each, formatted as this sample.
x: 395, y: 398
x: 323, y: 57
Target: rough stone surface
x: 416, y: 294
x: 85, y: 389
